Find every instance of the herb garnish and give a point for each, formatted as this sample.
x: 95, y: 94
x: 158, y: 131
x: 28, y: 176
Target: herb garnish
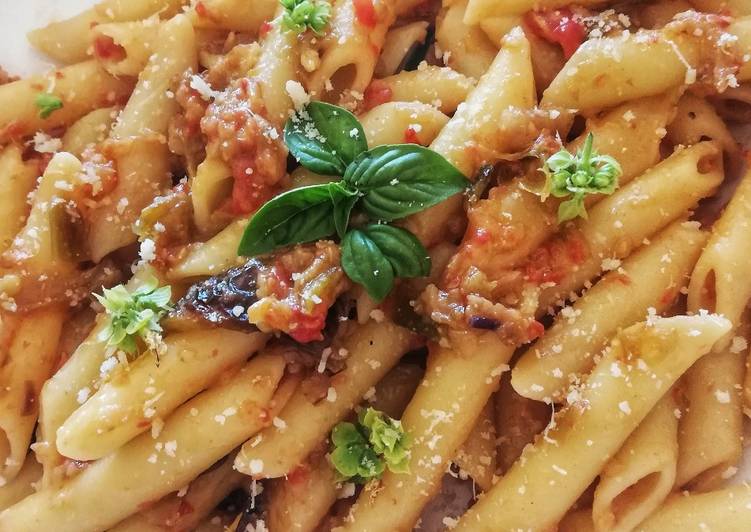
x: 47, y: 104
x: 364, y: 450
x: 300, y: 15
x: 383, y: 184
x: 578, y: 175
x: 134, y: 315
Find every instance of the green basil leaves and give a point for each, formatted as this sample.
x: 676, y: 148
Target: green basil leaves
x: 383, y: 184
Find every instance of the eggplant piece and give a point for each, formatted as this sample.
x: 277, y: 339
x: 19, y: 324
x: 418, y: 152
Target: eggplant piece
x: 222, y: 300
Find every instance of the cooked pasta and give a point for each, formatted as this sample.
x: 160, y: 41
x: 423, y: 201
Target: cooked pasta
x: 377, y: 266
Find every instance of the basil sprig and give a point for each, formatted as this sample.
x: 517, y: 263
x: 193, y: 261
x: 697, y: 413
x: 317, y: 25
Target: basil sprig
x: 384, y: 184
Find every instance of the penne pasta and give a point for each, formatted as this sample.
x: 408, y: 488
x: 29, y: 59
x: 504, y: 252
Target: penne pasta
x: 641, y: 475
x: 143, y: 470
x: 568, y: 349
x: 560, y: 466
x: 373, y: 350
x: 141, y: 397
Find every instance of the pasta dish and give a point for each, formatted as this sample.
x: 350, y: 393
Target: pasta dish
x: 377, y: 266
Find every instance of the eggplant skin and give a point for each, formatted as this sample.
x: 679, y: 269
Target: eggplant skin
x: 222, y: 300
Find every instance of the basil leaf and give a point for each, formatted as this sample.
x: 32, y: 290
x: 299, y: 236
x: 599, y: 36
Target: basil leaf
x: 299, y: 215
x: 365, y: 264
x: 401, y: 248
x: 401, y: 179
x: 324, y: 138
x: 343, y: 200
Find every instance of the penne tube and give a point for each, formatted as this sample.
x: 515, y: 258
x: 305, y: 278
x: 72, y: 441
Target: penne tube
x: 72, y: 382
x: 619, y: 223
x: 568, y: 349
x: 209, y: 187
x: 233, y: 15
x: 465, y: 47
x: 728, y: 510
x: 349, y: 50
x: 696, y: 120
x: 139, y: 139
x: 477, y: 455
x: 82, y: 88
x: 398, y: 45
x: 17, y: 180
x: 618, y: 395
x: 67, y: 41
x: 22, y: 485
x: 374, y: 348
x: 642, y: 63
x: 299, y: 503
x: 479, y: 9
x: 185, y: 509
x: 123, y: 48
x: 29, y: 361
x: 518, y: 420
x: 144, y: 394
x: 216, y: 255
x: 440, y: 87
x: 457, y: 385
x: 508, y: 83
x: 197, y: 434
x: 278, y: 64
x: 712, y: 391
x: 399, y: 122
x: 577, y: 521
x: 90, y: 129
x: 641, y: 475
x: 720, y: 282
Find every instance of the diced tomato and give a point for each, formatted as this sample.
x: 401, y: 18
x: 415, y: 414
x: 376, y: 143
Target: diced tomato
x: 410, y: 136
x: 308, y: 327
x: 247, y: 193
x: 667, y: 296
x: 558, y: 26
x: 552, y: 261
x: 106, y: 48
x: 201, y: 10
x: 535, y: 330
x: 376, y: 93
x: 264, y: 29
x: 365, y: 13
x: 298, y: 475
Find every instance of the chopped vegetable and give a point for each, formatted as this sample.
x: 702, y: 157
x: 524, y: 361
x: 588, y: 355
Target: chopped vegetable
x: 384, y: 184
x: 47, y: 104
x: 579, y: 175
x: 134, y: 316
x: 299, y: 15
x: 364, y: 450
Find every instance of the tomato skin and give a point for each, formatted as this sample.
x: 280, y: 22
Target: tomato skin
x: 264, y: 29
x: 365, y: 13
x: 106, y: 48
x: 376, y: 93
x: 557, y: 26
x: 410, y: 136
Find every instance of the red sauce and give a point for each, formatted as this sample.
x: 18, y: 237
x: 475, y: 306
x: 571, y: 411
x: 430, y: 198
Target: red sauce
x: 552, y: 261
x: 106, y: 48
x: 535, y: 330
x: 667, y: 296
x: 307, y: 327
x: 248, y: 194
x: 559, y: 27
x: 264, y: 29
x: 201, y: 10
x: 410, y: 136
x: 365, y: 13
x: 376, y: 93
